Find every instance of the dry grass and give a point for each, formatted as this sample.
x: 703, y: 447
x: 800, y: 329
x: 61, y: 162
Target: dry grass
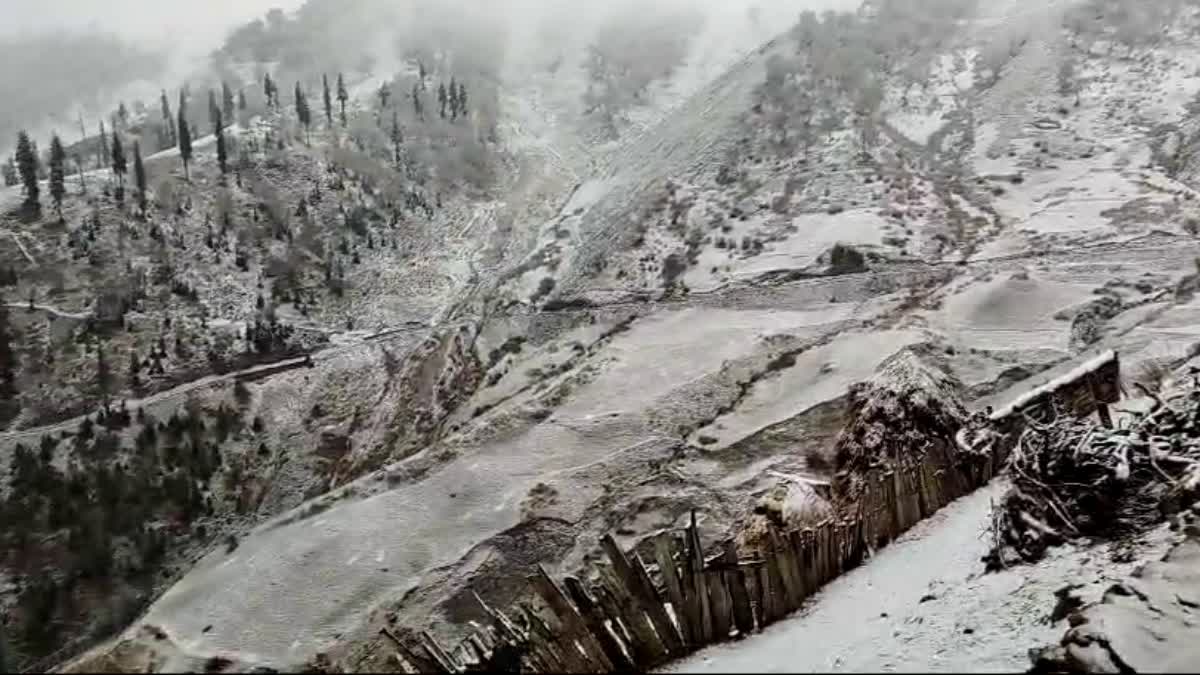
x: 1152, y: 375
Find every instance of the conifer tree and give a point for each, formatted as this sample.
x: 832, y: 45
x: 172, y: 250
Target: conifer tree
x: 185, y: 136
x: 227, y: 102
x: 118, y: 165
x: 462, y: 99
x: 58, y: 187
x: 27, y: 166
x: 214, y: 110
x: 385, y: 93
x: 270, y: 91
x: 221, y: 156
x: 452, y: 95
x: 327, y: 99
x: 302, y: 110
x: 139, y: 175
x: 397, y: 136
x: 418, y: 107
x: 421, y: 74
x: 9, y: 171
x: 241, y: 102
x: 123, y: 115
x: 168, y: 119
x: 441, y: 99
x: 342, y: 96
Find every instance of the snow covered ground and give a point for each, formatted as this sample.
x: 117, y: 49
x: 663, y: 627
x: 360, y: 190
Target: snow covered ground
x: 593, y: 407
x: 922, y: 604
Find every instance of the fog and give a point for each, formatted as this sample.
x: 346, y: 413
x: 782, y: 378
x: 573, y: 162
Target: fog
x: 182, y: 23
x: 62, y: 58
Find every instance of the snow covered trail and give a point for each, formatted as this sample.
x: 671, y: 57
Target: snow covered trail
x: 920, y: 606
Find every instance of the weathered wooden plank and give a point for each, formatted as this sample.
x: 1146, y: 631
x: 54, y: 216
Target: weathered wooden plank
x: 632, y: 573
x: 559, y: 656
x: 647, y: 649
x: 691, y: 601
x: 808, y: 562
x: 575, y: 629
x: 664, y: 554
x: 696, y: 563
x: 787, y: 571
x: 766, y: 599
x: 825, y: 546
x: 739, y: 598
x: 794, y: 540
x: 444, y: 661
x: 419, y: 660
x: 754, y: 592
x: 775, y: 593
x: 505, y: 628
x: 718, y: 600
x: 595, y: 619
x: 479, y: 646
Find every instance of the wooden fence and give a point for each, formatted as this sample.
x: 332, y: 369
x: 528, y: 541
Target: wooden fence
x: 637, y: 614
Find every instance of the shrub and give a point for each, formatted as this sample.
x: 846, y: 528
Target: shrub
x: 846, y: 260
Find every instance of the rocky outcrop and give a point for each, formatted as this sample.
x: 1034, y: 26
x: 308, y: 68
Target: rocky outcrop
x: 1144, y: 624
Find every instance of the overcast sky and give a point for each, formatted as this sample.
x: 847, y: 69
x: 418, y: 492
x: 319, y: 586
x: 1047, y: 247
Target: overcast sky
x: 186, y: 23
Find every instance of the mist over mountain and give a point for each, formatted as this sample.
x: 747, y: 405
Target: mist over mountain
x: 323, y: 320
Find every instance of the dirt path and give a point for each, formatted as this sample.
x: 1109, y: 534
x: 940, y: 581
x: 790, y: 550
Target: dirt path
x: 920, y: 606
x: 50, y: 309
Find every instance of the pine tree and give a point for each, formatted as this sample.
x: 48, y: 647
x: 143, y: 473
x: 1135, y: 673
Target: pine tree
x: 119, y: 166
x: 214, y: 110
x: 269, y: 90
x: 58, y: 187
x: 123, y: 115
x: 343, y: 96
x: 227, y: 102
x: 139, y: 175
x: 105, y: 158
x: 327, y: 99
x: 421, y: 74
x: 418, y: 107
x: 185, y: 136
x: 302, y: 110
x: 397, y: 135
x: 9, y: 171
x: 168, y: 119
x: 103, y: 374
x: 452, y: 94
x: 441, y: 99
x: 462, y: 99
x: 384, y: 94
x: 241, y: 102
x: 27, y: 166
x: 221, y: 156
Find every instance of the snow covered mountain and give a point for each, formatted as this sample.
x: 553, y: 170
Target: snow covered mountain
x: 684, y: 262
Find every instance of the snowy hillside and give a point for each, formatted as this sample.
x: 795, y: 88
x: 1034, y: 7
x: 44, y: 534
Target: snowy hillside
x: 662, y: 302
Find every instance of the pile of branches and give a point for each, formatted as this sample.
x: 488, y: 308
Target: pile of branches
x: 1073, y: 479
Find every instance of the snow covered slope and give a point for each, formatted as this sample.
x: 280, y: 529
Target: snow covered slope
x: 655, y: 337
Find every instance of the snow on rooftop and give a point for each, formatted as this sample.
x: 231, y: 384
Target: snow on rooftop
x: 1080, y: 371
